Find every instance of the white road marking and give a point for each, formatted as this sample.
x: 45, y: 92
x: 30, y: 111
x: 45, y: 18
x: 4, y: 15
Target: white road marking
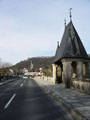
x: 8, y: 103
x: 24, y: 81
x: 21, y: 85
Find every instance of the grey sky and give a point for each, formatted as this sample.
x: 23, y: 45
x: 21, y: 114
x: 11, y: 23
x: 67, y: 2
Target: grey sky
x: 31, y: 28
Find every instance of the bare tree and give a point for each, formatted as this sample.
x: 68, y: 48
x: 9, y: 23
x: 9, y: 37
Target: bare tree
x: 4, y: 64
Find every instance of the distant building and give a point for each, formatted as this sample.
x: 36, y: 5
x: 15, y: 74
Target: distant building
x: 32, y: 74
x: 40, y: 69
x: 25, y: 70
x: 11, y: 71
x: 32, y: 67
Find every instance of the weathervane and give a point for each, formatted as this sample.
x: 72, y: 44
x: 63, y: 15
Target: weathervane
x: 70, y: 14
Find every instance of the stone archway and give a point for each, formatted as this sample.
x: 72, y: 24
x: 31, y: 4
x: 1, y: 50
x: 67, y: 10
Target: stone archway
x: 74, y: 69
x: 57, y: 73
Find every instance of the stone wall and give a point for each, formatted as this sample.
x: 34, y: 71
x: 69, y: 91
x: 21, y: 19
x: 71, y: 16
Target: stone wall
x: 49, y: 79
x: 83, y: 86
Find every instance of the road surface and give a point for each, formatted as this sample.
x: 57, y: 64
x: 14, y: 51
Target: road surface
x: 24, y: 99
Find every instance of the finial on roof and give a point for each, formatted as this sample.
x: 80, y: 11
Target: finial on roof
x: 57, y: 43
x: 65, y: 22
x: 70, y: 14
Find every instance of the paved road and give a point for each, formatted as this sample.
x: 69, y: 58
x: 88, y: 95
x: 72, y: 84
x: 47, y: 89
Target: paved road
x: 24, y: 99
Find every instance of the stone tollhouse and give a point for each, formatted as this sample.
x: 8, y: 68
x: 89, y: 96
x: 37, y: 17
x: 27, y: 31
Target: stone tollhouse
x: 72, y: 61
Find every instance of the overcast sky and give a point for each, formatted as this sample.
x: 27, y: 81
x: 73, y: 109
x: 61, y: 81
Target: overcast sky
x: 30, y: 28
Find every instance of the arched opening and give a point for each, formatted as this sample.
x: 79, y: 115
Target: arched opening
x: 74, y: 69
x: 86, y: 69
x: 59, y: 73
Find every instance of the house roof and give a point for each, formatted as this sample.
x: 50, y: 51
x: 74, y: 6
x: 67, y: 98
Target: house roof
x: 71, y: 45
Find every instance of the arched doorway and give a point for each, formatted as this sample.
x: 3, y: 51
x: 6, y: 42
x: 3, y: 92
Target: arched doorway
x: 59, y: 73
x: 74, y: 69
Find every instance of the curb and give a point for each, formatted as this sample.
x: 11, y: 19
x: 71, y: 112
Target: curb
x: 74, y: 113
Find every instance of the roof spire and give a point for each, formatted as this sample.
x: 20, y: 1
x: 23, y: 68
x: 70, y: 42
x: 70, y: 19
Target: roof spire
x: 57, y: 43
x: 70, y: 14
x: 65, y: 22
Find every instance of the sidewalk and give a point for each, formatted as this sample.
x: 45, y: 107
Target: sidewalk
x: 6, y: 81
x: 77, y: 103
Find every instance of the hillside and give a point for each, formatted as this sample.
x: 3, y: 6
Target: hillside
x: 38, y: 62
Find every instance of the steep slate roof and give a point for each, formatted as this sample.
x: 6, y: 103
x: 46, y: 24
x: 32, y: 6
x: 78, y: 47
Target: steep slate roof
x: 71, y: 45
